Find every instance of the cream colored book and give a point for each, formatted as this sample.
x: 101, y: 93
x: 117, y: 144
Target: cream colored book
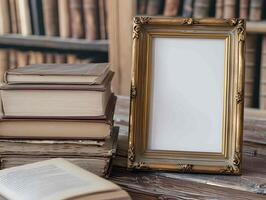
x: 56, y: 179
x: 56, y: 101
x: 92, y: 73
x: 23, y: 127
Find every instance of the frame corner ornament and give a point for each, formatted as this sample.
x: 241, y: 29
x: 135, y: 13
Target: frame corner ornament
x: 140, y: 165
x: 185, y: 167
x: 235, y: 167
x: 133, y: 92
x: 240, y: 26
x: 239, y: 96
x: 137, y: 23
x: 188, y: 21
x: 131, y: 154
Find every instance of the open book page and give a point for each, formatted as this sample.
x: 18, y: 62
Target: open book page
x: 50, y: 180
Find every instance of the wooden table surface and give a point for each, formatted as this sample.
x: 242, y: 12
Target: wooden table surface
x: 161, y: 185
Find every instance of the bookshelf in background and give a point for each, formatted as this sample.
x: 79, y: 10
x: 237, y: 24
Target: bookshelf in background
x: 251, y: 10
x: 52, y: 31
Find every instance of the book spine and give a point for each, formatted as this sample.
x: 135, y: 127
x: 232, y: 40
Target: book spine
x: 153, y: 7
x: 12, y: 59
x: 37, y: 17
x: 64, y: 18
x: 102, y: 19
x: 90, y: 9
x: 60, y: 58
x: 49, y: 58
x: 22, y: 58
x: 32, y: 57
x: 50, y: 17
x: 187, y: 8
x: 142, y: 7
x: 262, y: 96
x: 3, y: 63
x: 243, y: 9
x: 25, y: 18
x: 13, y: 16
x: 171, y: 8
x: 229, y: 9
x: 201, y: 8
x: 5, y: 26
x: 39, y: 57
x: 76, y: 17
x: 219, y: 9
x: 18, y: 16
x: 250, y: 68
x: 255, y: 10
x: 71, y: 58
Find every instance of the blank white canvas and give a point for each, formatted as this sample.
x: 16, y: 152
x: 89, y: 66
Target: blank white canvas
x: 186, y: 104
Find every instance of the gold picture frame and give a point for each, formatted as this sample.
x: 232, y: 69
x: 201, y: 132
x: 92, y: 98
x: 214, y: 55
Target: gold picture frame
x: 142, y: 154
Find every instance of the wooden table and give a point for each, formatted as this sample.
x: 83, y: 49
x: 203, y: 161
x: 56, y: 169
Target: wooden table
x: 158, y: 185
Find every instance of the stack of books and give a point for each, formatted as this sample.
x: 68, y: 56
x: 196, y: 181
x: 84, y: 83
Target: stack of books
x: 62, y: 102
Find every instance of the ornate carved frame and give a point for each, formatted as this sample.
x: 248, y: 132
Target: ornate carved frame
x: 227, y: 162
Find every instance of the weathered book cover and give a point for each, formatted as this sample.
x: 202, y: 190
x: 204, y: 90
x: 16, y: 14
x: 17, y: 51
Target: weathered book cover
x: 244, y: 9
x: 5, y: 25
x: 77, y: 19
x: 36, y: 17
x: 13, y: 16
x: 255, y: 10
x: 50, y: 15
x: 201, y: 8
x: 229, y: 8
x: 154, y: 7
x: 25, y: 17
x: 91, y: 19
x: 64, y: 18
x: 171, y: 8
x: 187, y: 8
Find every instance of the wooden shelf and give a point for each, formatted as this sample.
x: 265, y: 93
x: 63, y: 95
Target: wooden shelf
x: 256, y: 27
x: 56, y: 43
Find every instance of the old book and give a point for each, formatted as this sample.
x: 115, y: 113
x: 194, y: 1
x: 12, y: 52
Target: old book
x: 244, y: 9
x: 5, y: 23
x: 59, y: 128
x: 77, y: 101
x: 64, y: 18
x: 153, y: 7
x: 187, y: 8
x: 32, y: 57
x: 12, y: 59
x: 3, y: 63
x: 171, y: 8
x: 142, y: 6
x: 60, y: 58
x: 102, y: 19
x: 229, y: 9
x: 56, y: 179
x: 25, y: 17
x: 250, y: 68
x: 36, y: 17
x: 201, y: 8
x: 40, y: 57
x: 77, y: 20
x: 91, y: 19
x: 255, y: 10
x: 22, y: 58
x: 262, y: 95
x: 93, y: 155
x: 93, y: 73
x: 13, y: 16
x: 49, y: 58
x: 219, y: 9
x: 71, y: 58
x: 50, y: 17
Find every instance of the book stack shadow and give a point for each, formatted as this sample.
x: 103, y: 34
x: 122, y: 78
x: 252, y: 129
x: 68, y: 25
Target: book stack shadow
x: 59, y: 110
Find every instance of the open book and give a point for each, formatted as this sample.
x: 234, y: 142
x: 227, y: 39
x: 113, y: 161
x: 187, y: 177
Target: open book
x: 56, y: 179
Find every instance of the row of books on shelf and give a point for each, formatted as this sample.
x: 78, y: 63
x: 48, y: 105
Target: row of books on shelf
x: 14, y: 58
x: 63, y: 103
x: 64, y: 18
x: 248, y: 9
